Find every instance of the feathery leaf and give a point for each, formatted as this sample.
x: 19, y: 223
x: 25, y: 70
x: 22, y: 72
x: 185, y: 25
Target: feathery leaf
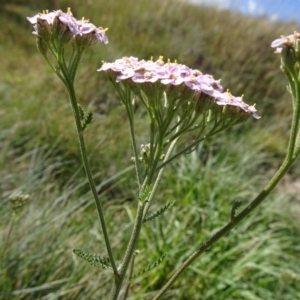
x: 87, y: 120
x: 93, y: 259
x: 151, y: 266
x: 236, y: 205
x: 145, y: 194
x: 81, y: 112
x: 159, y: 212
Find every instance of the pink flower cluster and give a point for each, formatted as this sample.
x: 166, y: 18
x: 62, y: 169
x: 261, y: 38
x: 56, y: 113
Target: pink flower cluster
x: 74, y: 26
x: 285, y: 41
x: 142, y: 71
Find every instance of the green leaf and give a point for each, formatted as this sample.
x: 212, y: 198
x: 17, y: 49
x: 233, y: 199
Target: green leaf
x: 81, y: 112
x: 151, y: 266
x: 145, y: 194
x: 236, y: 205
x: 87, y: 120
x: 159, y: 212
x: 94, y: 259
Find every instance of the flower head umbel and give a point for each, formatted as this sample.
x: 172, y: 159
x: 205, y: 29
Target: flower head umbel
x: 174, y: 77
x: 179, y: 101
x: 55, y: 30
x: 63, y: 26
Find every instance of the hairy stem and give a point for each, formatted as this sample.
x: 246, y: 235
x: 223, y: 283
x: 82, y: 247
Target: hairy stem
x: 129, y: 252
x: 86, y: 164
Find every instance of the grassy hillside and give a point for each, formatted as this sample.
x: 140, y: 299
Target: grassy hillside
x: 39, y: 155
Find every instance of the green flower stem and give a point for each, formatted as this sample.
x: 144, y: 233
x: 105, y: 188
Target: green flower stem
x: 126, y: 98
x: 197, y: 140
x: 54, y: 69
x: 157, y: 146
x: 297, y: 146
x: 152, y: 143
x: 186, y: 149
x: 129, y: 252
x: 129, y: 109
x: 87, y: 168
x: 156, y: 158
x: 288, y: 161
x: 73, y: 64
x: 158, y: 179
x: 131, y: 267
x: 295, y: 125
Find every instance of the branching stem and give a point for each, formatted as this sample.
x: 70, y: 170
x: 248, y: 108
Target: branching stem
x: 288, y: 161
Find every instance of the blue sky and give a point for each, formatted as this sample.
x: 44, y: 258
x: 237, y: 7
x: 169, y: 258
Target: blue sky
x: 277, y: 10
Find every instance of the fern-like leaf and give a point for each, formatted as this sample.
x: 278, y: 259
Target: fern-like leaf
x: 236, y: 205
x: 81, y: 112
x: 159, y: 212
x: 87, y: 120
x: 151, y: 266
x: 94, y: 259
x: 145, y: 195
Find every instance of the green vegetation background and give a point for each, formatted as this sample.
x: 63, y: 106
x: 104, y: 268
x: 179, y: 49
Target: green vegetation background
x: 39, y: 155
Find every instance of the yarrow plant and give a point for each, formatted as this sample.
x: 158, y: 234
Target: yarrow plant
x: 184, y: 107
x: 179, y: 101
